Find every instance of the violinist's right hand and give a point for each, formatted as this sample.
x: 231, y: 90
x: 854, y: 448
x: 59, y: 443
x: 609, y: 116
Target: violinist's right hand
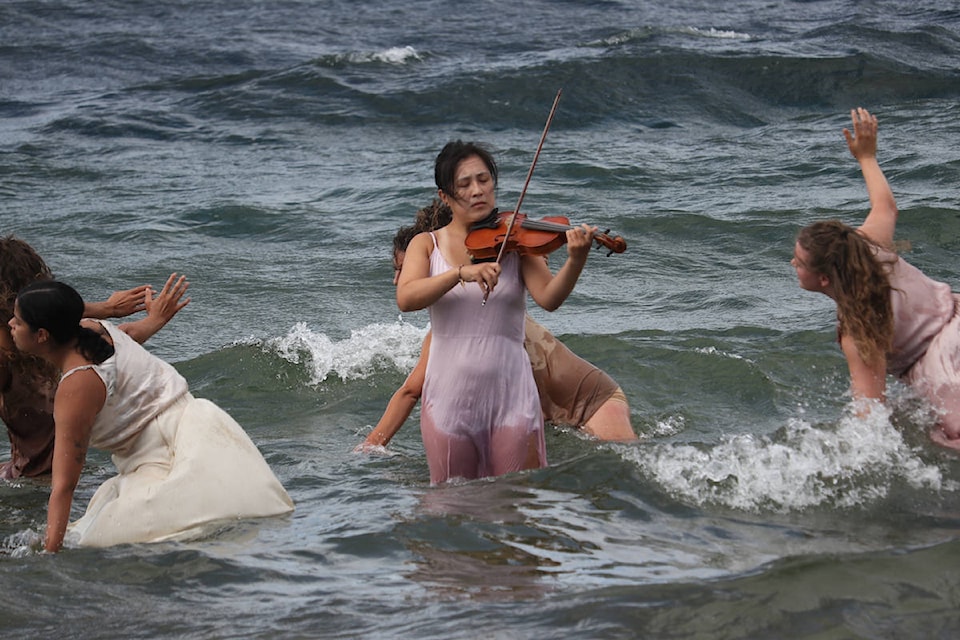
x: 485, y: 274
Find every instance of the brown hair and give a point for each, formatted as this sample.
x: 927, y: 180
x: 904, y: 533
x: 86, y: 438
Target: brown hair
x: 430, y: 218
x: 20, y: 265
x: 860, y: 282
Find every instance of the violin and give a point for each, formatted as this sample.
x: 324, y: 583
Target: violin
x: 527, y: 237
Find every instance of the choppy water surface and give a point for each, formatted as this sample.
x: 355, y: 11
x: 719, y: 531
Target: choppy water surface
x: 270, y: 151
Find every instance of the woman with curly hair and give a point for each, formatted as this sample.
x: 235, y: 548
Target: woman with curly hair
x: 891, y: 318
x: 27, y: 383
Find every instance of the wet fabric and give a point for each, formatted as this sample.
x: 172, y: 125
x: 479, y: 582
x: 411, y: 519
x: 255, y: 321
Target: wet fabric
x: 571, y: 389
x: 187, y: 464
x: 26, y: 408
x: 480, y: 407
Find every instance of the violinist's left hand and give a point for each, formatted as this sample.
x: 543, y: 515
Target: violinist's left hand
x: 579, y: 241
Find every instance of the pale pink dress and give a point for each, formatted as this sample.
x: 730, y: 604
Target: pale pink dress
x: 926, y: 338
x: 480, y: 411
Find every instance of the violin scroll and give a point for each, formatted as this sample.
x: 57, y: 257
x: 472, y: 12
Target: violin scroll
x: 616, y: 244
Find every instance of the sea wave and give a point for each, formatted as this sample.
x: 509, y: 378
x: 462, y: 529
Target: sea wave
x: 851, y: 463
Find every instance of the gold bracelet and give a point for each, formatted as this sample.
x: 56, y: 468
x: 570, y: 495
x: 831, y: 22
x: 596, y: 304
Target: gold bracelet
x: 460, y: 278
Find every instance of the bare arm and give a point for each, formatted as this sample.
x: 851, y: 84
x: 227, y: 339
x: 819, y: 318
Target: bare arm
x: 120, y: 304
x: 401, y: 403
x: 417, y: 289
x: 79, y: 399
x: 160, y: 310
x: 549, y: 290
x: 881, y: 222
x: 867, y: 379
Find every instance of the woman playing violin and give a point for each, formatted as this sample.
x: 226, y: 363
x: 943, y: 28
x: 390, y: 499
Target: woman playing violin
x: 480, y: 407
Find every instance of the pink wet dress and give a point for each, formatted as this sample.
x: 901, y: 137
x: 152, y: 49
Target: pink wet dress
x: 926, y: 338
x: 480, y: 411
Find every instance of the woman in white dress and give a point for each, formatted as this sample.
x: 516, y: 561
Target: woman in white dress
x: 183, y: 462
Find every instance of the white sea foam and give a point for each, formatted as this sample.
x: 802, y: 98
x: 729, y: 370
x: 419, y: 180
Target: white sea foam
x: 720, y: 34
x: 366, y: 351
x: 22, y: 544
x: 852, y: 462
x: 391, y: 55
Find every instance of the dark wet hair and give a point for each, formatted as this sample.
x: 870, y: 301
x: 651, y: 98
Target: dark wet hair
x: 20, y: 265
x: 452, y: 154
x: 58, y: 308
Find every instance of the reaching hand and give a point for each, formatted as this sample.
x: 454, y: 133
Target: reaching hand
x: 121, y: 304
x: 863, y: 141
x: 167, y: 303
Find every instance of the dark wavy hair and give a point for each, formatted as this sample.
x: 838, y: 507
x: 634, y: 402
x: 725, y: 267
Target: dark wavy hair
x: 860, y: 282
x: 58, y: 308
x: 20, y: 265
x: 445, y: 167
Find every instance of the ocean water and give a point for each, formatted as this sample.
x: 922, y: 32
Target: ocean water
x: 269, y: 150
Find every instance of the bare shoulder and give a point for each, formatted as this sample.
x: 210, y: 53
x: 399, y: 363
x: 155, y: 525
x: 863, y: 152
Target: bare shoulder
x: 81, y: 386
x: 422, y: 242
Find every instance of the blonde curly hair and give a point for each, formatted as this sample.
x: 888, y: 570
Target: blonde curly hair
x: 860, y: 281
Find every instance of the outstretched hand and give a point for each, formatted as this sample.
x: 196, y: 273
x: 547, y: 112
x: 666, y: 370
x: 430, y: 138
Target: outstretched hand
x: 160, y: 309
x: 121, y: 304
x: 168, y: 302
x: 863, y: 141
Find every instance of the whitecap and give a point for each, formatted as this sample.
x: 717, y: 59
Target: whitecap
x: 390, y: 55
x: 853, y: 462
x: 365, y: 352
x: 720, y: 34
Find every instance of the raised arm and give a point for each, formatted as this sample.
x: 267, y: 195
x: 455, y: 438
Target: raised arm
x: 881, y: 222
x: 160, y: 310
x: 551, y: 290
x: 401, y: 404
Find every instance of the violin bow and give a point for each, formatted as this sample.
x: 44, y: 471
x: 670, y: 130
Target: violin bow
x: 516, y: 210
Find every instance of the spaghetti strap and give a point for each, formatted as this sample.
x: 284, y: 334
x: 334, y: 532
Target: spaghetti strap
x: 75, y: 369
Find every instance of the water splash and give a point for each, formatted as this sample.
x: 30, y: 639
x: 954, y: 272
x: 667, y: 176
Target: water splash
x: 367, y: 350
x: 22, y: 544
x: 851, y: 463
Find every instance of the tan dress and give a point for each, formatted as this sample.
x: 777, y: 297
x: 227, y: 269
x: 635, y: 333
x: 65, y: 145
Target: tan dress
x: 571, y: 389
